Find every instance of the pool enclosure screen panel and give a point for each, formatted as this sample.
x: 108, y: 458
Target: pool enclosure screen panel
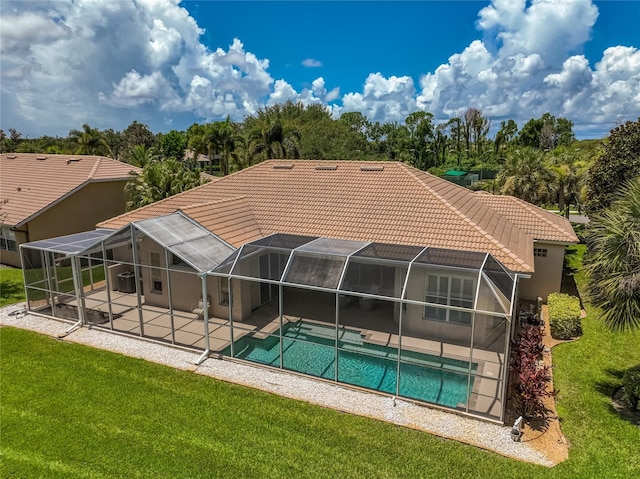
x: 323, y: 271
x: 428, y: 324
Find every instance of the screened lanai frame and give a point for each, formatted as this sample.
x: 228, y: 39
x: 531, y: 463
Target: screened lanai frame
x: 177, y: 235
x: 307, y: 257
x: 335, y: 258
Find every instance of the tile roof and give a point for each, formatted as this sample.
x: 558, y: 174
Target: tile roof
x: 371, y: 201
x: 538, y: 223
x: 31, y: 182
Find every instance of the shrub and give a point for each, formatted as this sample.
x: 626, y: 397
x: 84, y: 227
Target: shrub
x: 531, y: 380
x: 631, y: 383
x: 564, y: 316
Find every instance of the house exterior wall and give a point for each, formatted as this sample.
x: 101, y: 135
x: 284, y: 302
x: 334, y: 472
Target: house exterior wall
x: 548, y: 273
x: 79, y: 212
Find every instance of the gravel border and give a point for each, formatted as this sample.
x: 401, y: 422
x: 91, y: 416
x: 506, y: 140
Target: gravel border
x: 479, y: 433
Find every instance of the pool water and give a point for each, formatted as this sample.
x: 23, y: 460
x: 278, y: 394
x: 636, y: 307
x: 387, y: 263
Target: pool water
x: 309, y: 348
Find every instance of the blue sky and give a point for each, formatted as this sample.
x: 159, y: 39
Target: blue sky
x: 169, y: 63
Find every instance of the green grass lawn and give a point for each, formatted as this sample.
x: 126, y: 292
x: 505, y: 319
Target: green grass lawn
x: 11, y: 286
x: 71, y: 411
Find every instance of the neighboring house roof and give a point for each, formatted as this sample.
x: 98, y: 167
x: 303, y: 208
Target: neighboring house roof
x: 30, y: 183
x: 371, y: 201
x: 538, y: 223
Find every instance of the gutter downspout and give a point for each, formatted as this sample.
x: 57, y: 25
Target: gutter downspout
x: 205, y: 319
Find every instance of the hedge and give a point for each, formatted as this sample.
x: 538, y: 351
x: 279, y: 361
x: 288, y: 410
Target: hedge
x: 564, y: 316
x: 631, y: 382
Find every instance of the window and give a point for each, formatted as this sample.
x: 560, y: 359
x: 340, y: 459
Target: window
x: 8, y: 239
x: 224, y: 292
x: 540, y: 252
x: 449, y: 291
x: 156, y: 274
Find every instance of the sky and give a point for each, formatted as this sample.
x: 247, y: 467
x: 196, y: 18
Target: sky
x: 171, y: 63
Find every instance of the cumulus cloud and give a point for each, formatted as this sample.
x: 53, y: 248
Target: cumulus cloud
x: 311, y: 63
x: 527, y: 63
x: 65, y: 63
x: 105, y: 63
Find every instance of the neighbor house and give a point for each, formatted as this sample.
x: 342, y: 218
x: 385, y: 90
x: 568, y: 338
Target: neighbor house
x: 372, y: 274
x: 43, y: 196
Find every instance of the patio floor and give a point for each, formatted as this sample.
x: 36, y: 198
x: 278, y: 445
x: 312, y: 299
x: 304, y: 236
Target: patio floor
x: 188, y: 331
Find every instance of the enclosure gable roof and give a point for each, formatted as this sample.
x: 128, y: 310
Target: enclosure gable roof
x: 369, y: 201
x: 31, y: 183
x: 540, y: 224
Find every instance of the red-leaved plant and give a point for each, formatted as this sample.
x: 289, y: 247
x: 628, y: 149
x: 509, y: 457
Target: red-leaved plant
x: 531, y: 380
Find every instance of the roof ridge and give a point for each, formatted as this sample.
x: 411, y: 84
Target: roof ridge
x: 94, y: 170
x: 533, y: 210
x: 466, y: 219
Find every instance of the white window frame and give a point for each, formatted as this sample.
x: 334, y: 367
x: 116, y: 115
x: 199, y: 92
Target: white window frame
x: 8, y: 239
x: 540, y: 252
x: 433, y: 313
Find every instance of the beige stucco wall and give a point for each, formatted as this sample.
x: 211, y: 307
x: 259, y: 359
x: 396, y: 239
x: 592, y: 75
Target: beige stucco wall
x: 186, y: 287
x: 79, y: 212
x: 548, y: 273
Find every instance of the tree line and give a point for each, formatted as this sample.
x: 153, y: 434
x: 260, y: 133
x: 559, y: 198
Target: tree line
x: 541, y: 163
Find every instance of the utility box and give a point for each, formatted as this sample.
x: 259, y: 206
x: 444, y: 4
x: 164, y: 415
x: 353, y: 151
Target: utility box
x: 127, y: 282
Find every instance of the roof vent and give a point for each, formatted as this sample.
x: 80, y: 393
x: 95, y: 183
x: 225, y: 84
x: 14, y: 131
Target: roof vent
x: 372, y: 168
x: 12, y: 157
x: 327, y: 168
x: 283, y: 167
x: 73, y: 160
x: 41, y: 158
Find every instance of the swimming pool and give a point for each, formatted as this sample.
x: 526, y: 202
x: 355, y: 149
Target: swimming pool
x: 309, y: 348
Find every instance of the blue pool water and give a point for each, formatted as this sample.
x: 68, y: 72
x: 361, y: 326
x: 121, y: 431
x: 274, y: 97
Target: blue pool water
x: 309, y: 348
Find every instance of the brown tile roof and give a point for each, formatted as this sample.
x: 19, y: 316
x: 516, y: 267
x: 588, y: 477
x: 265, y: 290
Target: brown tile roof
x: 371, y: 201
x: 232, y: 219
x: 538, y: 223
x: 31, y: 182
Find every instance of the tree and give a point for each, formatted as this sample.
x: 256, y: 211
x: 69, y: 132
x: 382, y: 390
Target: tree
x: 173, y: 144
x: 568, y: 168
x: 619, y: 163
x: 90, y: 141
x: 506, y: 134
x: 136, y: 134
x: 269, y: 137
x: 525, y: 176
x: 547, y: 132
x: 158, y: 180
x: 141, y: 156
x: 224, y: 137
x: 613, y: 260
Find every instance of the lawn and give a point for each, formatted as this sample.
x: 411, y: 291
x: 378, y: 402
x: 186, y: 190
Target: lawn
x: 71, y: 411
x: 11, y: 286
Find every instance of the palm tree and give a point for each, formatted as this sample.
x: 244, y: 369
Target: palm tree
x: 158, y: 180
x: 141, y: 156
x: 569, y: 169
x: 269, y: 138
x: 90, y: 141
x: 526, y: 176
x: 613, y: 260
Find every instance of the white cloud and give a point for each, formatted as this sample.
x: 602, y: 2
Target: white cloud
x: 311, y: 63
x: 105, y: 63
x: 65, y: 63
x: 318, y: 93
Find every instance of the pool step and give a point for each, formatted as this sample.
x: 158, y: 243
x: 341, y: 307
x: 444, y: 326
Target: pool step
x: 309, y: 332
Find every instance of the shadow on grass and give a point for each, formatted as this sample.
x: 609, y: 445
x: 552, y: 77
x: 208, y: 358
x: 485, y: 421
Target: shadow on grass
x: 612, y: 382
x: 10, y: 289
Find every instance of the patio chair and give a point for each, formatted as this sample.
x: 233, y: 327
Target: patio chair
x: 199, y: 311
